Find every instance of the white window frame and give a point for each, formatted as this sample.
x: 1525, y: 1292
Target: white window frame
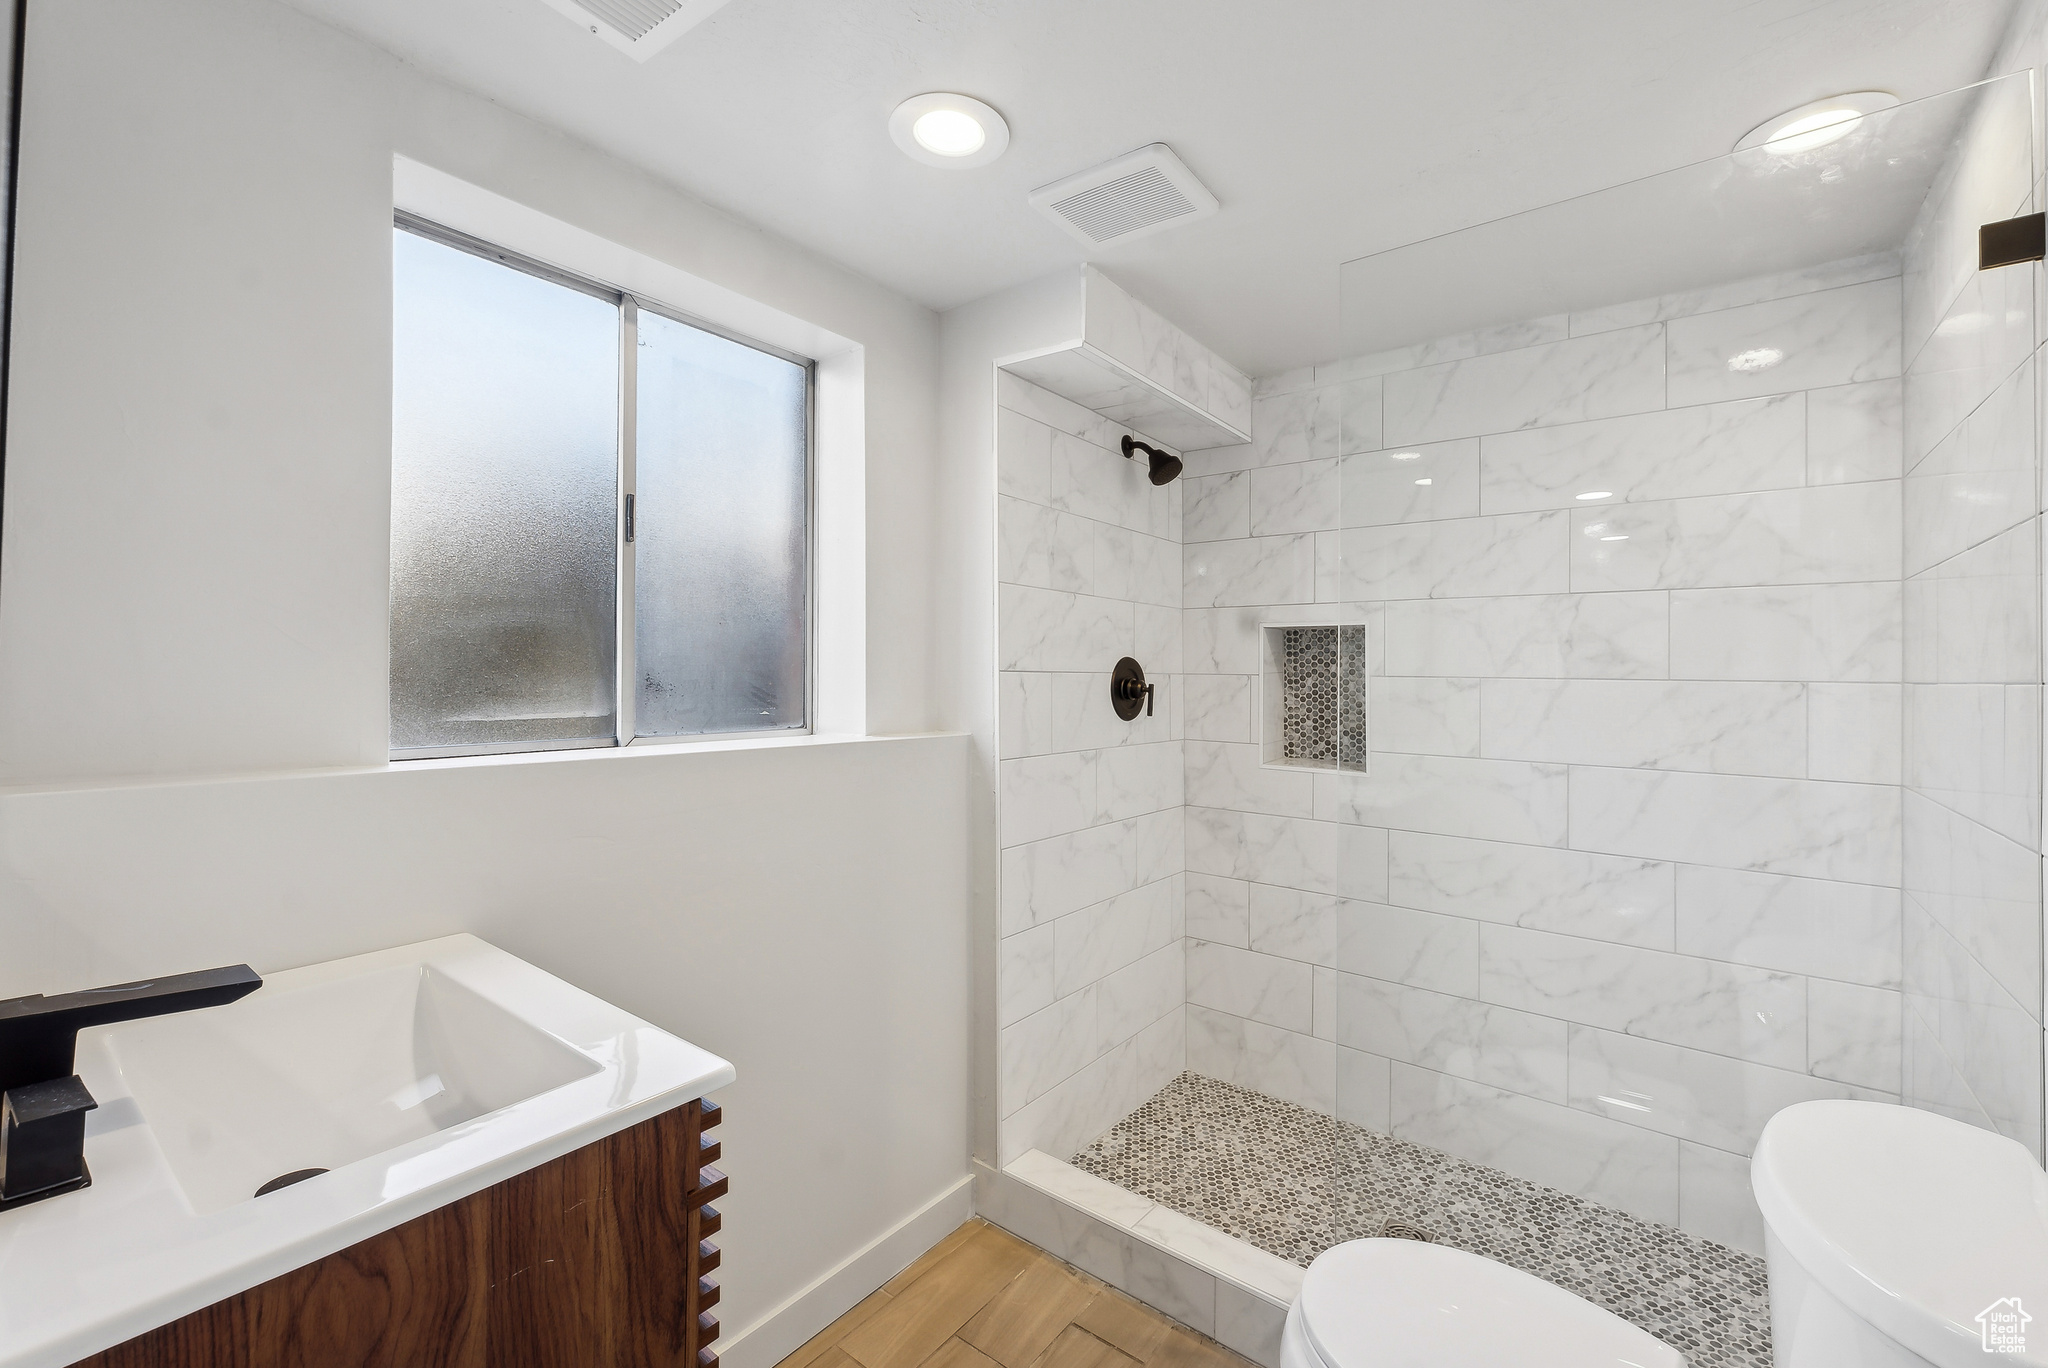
x: 625, y: 652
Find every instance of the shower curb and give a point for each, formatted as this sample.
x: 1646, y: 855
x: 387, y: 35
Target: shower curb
x: 1216, y: 1283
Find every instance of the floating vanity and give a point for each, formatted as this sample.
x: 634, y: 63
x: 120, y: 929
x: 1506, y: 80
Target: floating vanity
x: 501, y: 1160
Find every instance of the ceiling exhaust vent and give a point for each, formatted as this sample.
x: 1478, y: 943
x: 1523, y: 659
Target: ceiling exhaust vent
x: 1140, y: 192
x: 638, y: 28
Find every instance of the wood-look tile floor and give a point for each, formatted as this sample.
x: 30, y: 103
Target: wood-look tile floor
x: 982, y: 1298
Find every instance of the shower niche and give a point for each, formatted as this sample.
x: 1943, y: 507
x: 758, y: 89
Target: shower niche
x: 1312, y: 689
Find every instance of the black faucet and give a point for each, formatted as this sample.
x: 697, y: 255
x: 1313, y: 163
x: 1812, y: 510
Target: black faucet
x: 43, y: 1103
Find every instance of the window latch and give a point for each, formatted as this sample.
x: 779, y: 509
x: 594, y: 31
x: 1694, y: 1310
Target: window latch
x: 629, y: 517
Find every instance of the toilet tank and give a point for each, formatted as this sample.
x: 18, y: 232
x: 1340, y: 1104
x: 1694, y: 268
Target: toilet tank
x: 1897, y: 1237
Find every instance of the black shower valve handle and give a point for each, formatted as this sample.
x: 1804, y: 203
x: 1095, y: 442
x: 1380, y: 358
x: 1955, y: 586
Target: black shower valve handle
x: 1127, y: 689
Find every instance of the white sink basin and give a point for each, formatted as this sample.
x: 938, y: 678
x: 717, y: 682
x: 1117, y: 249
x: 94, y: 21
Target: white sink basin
x: 416, y: 1076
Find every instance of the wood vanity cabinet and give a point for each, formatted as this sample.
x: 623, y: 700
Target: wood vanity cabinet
x: 599, y: 1259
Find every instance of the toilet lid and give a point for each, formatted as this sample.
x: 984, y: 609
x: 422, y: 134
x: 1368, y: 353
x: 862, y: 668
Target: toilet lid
x: 1405, y: 1304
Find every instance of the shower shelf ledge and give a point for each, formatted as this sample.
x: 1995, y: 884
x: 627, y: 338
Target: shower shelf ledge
x: 1096, y: 380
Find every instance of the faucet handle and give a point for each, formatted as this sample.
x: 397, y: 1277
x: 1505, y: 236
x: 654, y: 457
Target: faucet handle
x: 42, y: 1140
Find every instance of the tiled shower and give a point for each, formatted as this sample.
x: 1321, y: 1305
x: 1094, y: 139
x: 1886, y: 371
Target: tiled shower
x: 1678, y: 676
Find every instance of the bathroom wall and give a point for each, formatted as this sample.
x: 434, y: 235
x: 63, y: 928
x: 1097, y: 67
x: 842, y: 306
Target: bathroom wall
x: 1973, y: 759
x: 1622, y: 878
x: 193, y: 634
x: 1089, y: 811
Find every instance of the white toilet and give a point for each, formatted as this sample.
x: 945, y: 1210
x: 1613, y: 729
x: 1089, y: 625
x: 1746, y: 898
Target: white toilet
x: 1406, y: 1304
x: 1897, y: 1238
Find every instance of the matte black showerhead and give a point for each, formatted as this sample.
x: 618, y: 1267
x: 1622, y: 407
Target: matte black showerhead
x: 1165, y: 468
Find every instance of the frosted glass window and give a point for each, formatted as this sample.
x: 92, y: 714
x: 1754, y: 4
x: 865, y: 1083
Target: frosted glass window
x: 504, y: 480
x: 720, y: 573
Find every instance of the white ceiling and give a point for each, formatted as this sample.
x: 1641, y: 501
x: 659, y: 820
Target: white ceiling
x: 1328, y: 128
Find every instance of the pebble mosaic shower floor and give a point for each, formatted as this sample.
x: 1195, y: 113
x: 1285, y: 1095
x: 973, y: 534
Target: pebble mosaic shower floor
x: 1294, y: 1182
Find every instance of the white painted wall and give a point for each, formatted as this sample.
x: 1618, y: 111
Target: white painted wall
x: 192, y: 634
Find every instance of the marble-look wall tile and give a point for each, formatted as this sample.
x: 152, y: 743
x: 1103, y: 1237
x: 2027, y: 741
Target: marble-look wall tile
x: 1217, y: 707
x: 1023, y: 457
x: 1042, y: 629
x: 1615, y: 636
x: 1087, y: 1102
x: 1419, y: 483
x: 1976, y: 749
x: 1217, y: 909
x: 1933, y: 1083
x: 1854, y: 432
x: 1805, y: 280
x: 1045, y: 795
x: 1316, y: 857
x: 1364, y: 1090
x: 1722, y: 728
x: 1131, y: 781
x: 1089, y: 945
x: 1603, y: 897
x: 1222, y: 775
x: 1217, y: 507
x: 1298, y: 497
x: 1852, y: 1034
x: 1715, y: 1201
x: 1083, y: 718
x: 1361, y: 427
x: 1455, y: 1035
x: 1854, y: 732
x: 1828, y: 534
x: 1830, y: 337
x: 1258, y: 570
x: 1988, y: 333
x: 1300, y: 425
x: 1294, y: 924
x: 1415, y: 949
x: 1976, y: 482
x: 1457, y: 558
x: 1988, y: 179
x: 1561, y: 1147
x: 1289, y: 1065
x: 1501, y: 337
x: 1221, y: 460
x: 1066, y: 873
x: 1024, y: 707
x: 1262, y: 988
x: 1754, y: 1014
x: 1557, y: 382
x: 1494, y: 800
x: 1709, y: 1099
x: 1044, y: 1049
x: 1098, y: 482
x: 1024, y: 974
x: 1024, y: 543
x: 1780, y: 826
x: 1133, y: 997
x: 1730, y: 448
x: 1989, y: 1040
x: 1422, y: 716
x: 1801, y: 926
x: 1976, y: 617
x: 1983, y: 888
x: 1845, y: 632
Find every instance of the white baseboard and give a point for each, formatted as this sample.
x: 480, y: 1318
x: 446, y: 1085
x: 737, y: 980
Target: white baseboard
x: 782, y: 1331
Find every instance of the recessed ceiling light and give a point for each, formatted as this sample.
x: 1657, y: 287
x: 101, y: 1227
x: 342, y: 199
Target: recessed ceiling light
x: 1422, y: 482
x: 1407, y: 456
x: 953, y: 131
x: 1815, y: 125
x: 1595, y: 494
x: 1620, y: 537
